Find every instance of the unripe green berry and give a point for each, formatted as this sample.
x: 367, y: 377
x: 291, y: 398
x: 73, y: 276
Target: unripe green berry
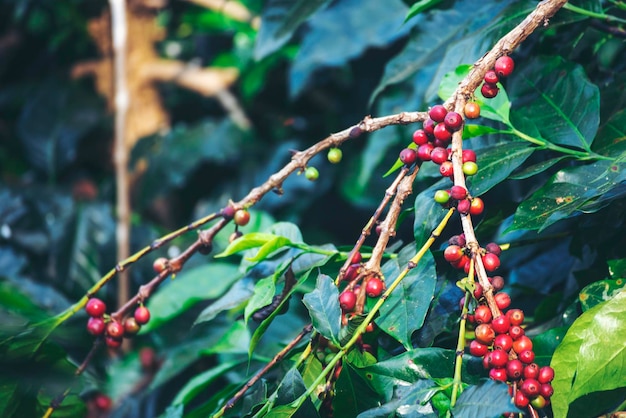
x: 311, y: 173
x: 334, y: 155
x: 470, y: 168
x: 442, y: 197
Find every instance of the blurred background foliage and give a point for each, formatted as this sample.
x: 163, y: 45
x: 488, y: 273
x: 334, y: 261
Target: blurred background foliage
x: 308, y: 71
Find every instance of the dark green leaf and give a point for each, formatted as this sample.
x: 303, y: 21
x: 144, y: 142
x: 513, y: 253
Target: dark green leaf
x: 352, y: 393
x: 72, y: 406
x: 611, y: 138
x: 559, y: 98
x: 123, y: 375
x: 263, y: 294
x: 545, y: 343
x: 617, y: 268
x: 496, y: 163
x: 592, y: 355
x: 421, y: 6
x: 239, y: 293
x: 290, y: 389
x: 189, y: 287
x: 280, y: 19
x: 600, y: 291
x: 173, y: 411
x: 344, y: 31
x: 198, y: 383
x: 537, y: 168
x: 408, y: 401
x: 428, y: 213
x: 405, y: 309
x: 489, y: 400
x: 323, y: 306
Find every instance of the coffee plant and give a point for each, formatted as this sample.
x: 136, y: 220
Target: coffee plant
x: 462, y: 255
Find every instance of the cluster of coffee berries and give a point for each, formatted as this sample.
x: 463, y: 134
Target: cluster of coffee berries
x: 457, y: 254
x: 101, y: 324
x: 372, y: 286
x: 502, y: 68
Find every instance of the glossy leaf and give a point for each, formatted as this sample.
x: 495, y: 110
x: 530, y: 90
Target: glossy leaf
x: 248, y: 241
x: 280, y: 19
x: 421, y: 6
x: 545, y: 343
x: 496, y: 162
x: 599, y: 292
x: 291, y: 387
x: 537, y: 168
x: 611, y: 138
x: 352, y: 393
x: 239, y: 293
x: 190, y: 286
x: 490, y: 399
x: 264, y: 291
x: 592, y: 355
x: 405, y: 309
x: 198, y: 383
x: 344, y: 31
x: 323, y: 306
x: 407, y: 401
x: 560, y: 99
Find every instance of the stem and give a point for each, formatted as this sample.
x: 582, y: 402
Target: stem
x: 460, y: 350
x: 581, y: 155
x: 594, y: 15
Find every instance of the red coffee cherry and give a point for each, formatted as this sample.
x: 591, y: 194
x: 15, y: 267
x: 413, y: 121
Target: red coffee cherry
x: 530, y: 387
x: 356, y: 258
x: 446, y: 169
x: 420, y: 137
x: 498, y: 358
x: 468, y: 155
x: 471, y: 110
x: 504, y: 66
x: 437, y: 113
x: 347, y: 300
x: 491, y: 262
x: 491, y: 77
x: 498, y: 374
x: 142, y: 315
x: 546, y: 390
x: 351, y: 272
x: 516, y: 316
x: 522, y: 344
x: 453, y: 253
x: 112, y: 342
x: 408, y: 156
x: 477, y: 349
x: 458, y: 192
x: 115, y: 330
x: 242, y: 217
x: 527, y: 356
x: 503, y: 300
x: 160, y: 264
x: 503, y: 342
x: 374, y: 287
x: 131, y: 327
x: 493, y: 248
x: 228, y: 212
x: 464, y: 206
x: 102, y: 402
x: 477, y: 206
x: 478, y: 291
x: 442, y: 133
x: 482, y: 314
x: 489, y: 91
x: 485, y: 334
x: 429, y: 127
x: 439, y: 155
x: 95, y: 326
x: 457, y: 240
x: 424, y: 151
x: 521, y: 400
x: 514, y: 369
x: 501, y: 324
x: 453, y: 121
x: 516, y: 332
x: 95, y: 307
x: 498, y: 284
x: 546, y: 374
x: 531, y: 371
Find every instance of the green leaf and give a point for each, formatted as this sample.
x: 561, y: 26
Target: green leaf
x: 421, y: 6
x: 248, y: 241
x: 567, y: 192
x: 592, y: 355
x: 489, y: 400
x: 352, y: 393
x: 280, y: 19
x: 428, y: 213
x: 611, y: 138
x: 546, y: 343
x: 496, y: 163
x: 198, y: 383
x: 323, y: 306
x: 269, y: 248
x: 290, y: 389
x: 405, y: 309
x: 263, y: 293
x: 472, y: 131
x: 617, y: 268
x: 560, y: 99
x: 600, y: 291
x: 189, y: 287
x: 537, y: 168
x: 408, y: 401
x: 236, y: 296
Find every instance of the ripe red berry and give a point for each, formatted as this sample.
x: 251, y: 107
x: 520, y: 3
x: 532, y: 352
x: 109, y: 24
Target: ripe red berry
x: 478, y: 349
x: 478, y: 291
x: 131, y: 327
x: 463, y: 206
x: 95, y: 307
x: 514, y: 369
x: 115, y: 330
x: 471, y: 110
x: 546, y: 374
x: 493, y: 248
x: 423, y: 152
x: 522, y: 344
x: 442, y: 133
x: 491, y: 77
x: 482, y: 314
x: 521, y: 400
x: 491, y: 262
x: 437, y: 113
x: 374, y: 287
x: 408, y: 156
x: 446, y: 169
x: 351, y: 272
x: 420, y: 137
x: 102, y: 402
x: 531, y: 371
x: 504, y: 342
x: 501, y: 324
x: 516, y: 332
x: 242, y: 217
x: 504, y: 66
x: 546, y: 390
x: 160, y: 264
x: 453, y: 253
x: 439, y: 155
x: 516, y: 316
x: 142, y: 315
x: 527, y: 356
x: 112, y: 342
x: 489, y: 91
x: 477, y: 206
x: 347, y: 300
x: 457, y: 240
x: 458, y: 192
x: 530, y: 387
x: 95, y: 326
x: 453, y: 121
x: 485, y: 334
x: 429, y: 127
x: 498, y: 374
x: 498, y: 284
x: 498, y: 358
x: 356, y: 258
x: 503, y: 300
x: 468, y: 155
